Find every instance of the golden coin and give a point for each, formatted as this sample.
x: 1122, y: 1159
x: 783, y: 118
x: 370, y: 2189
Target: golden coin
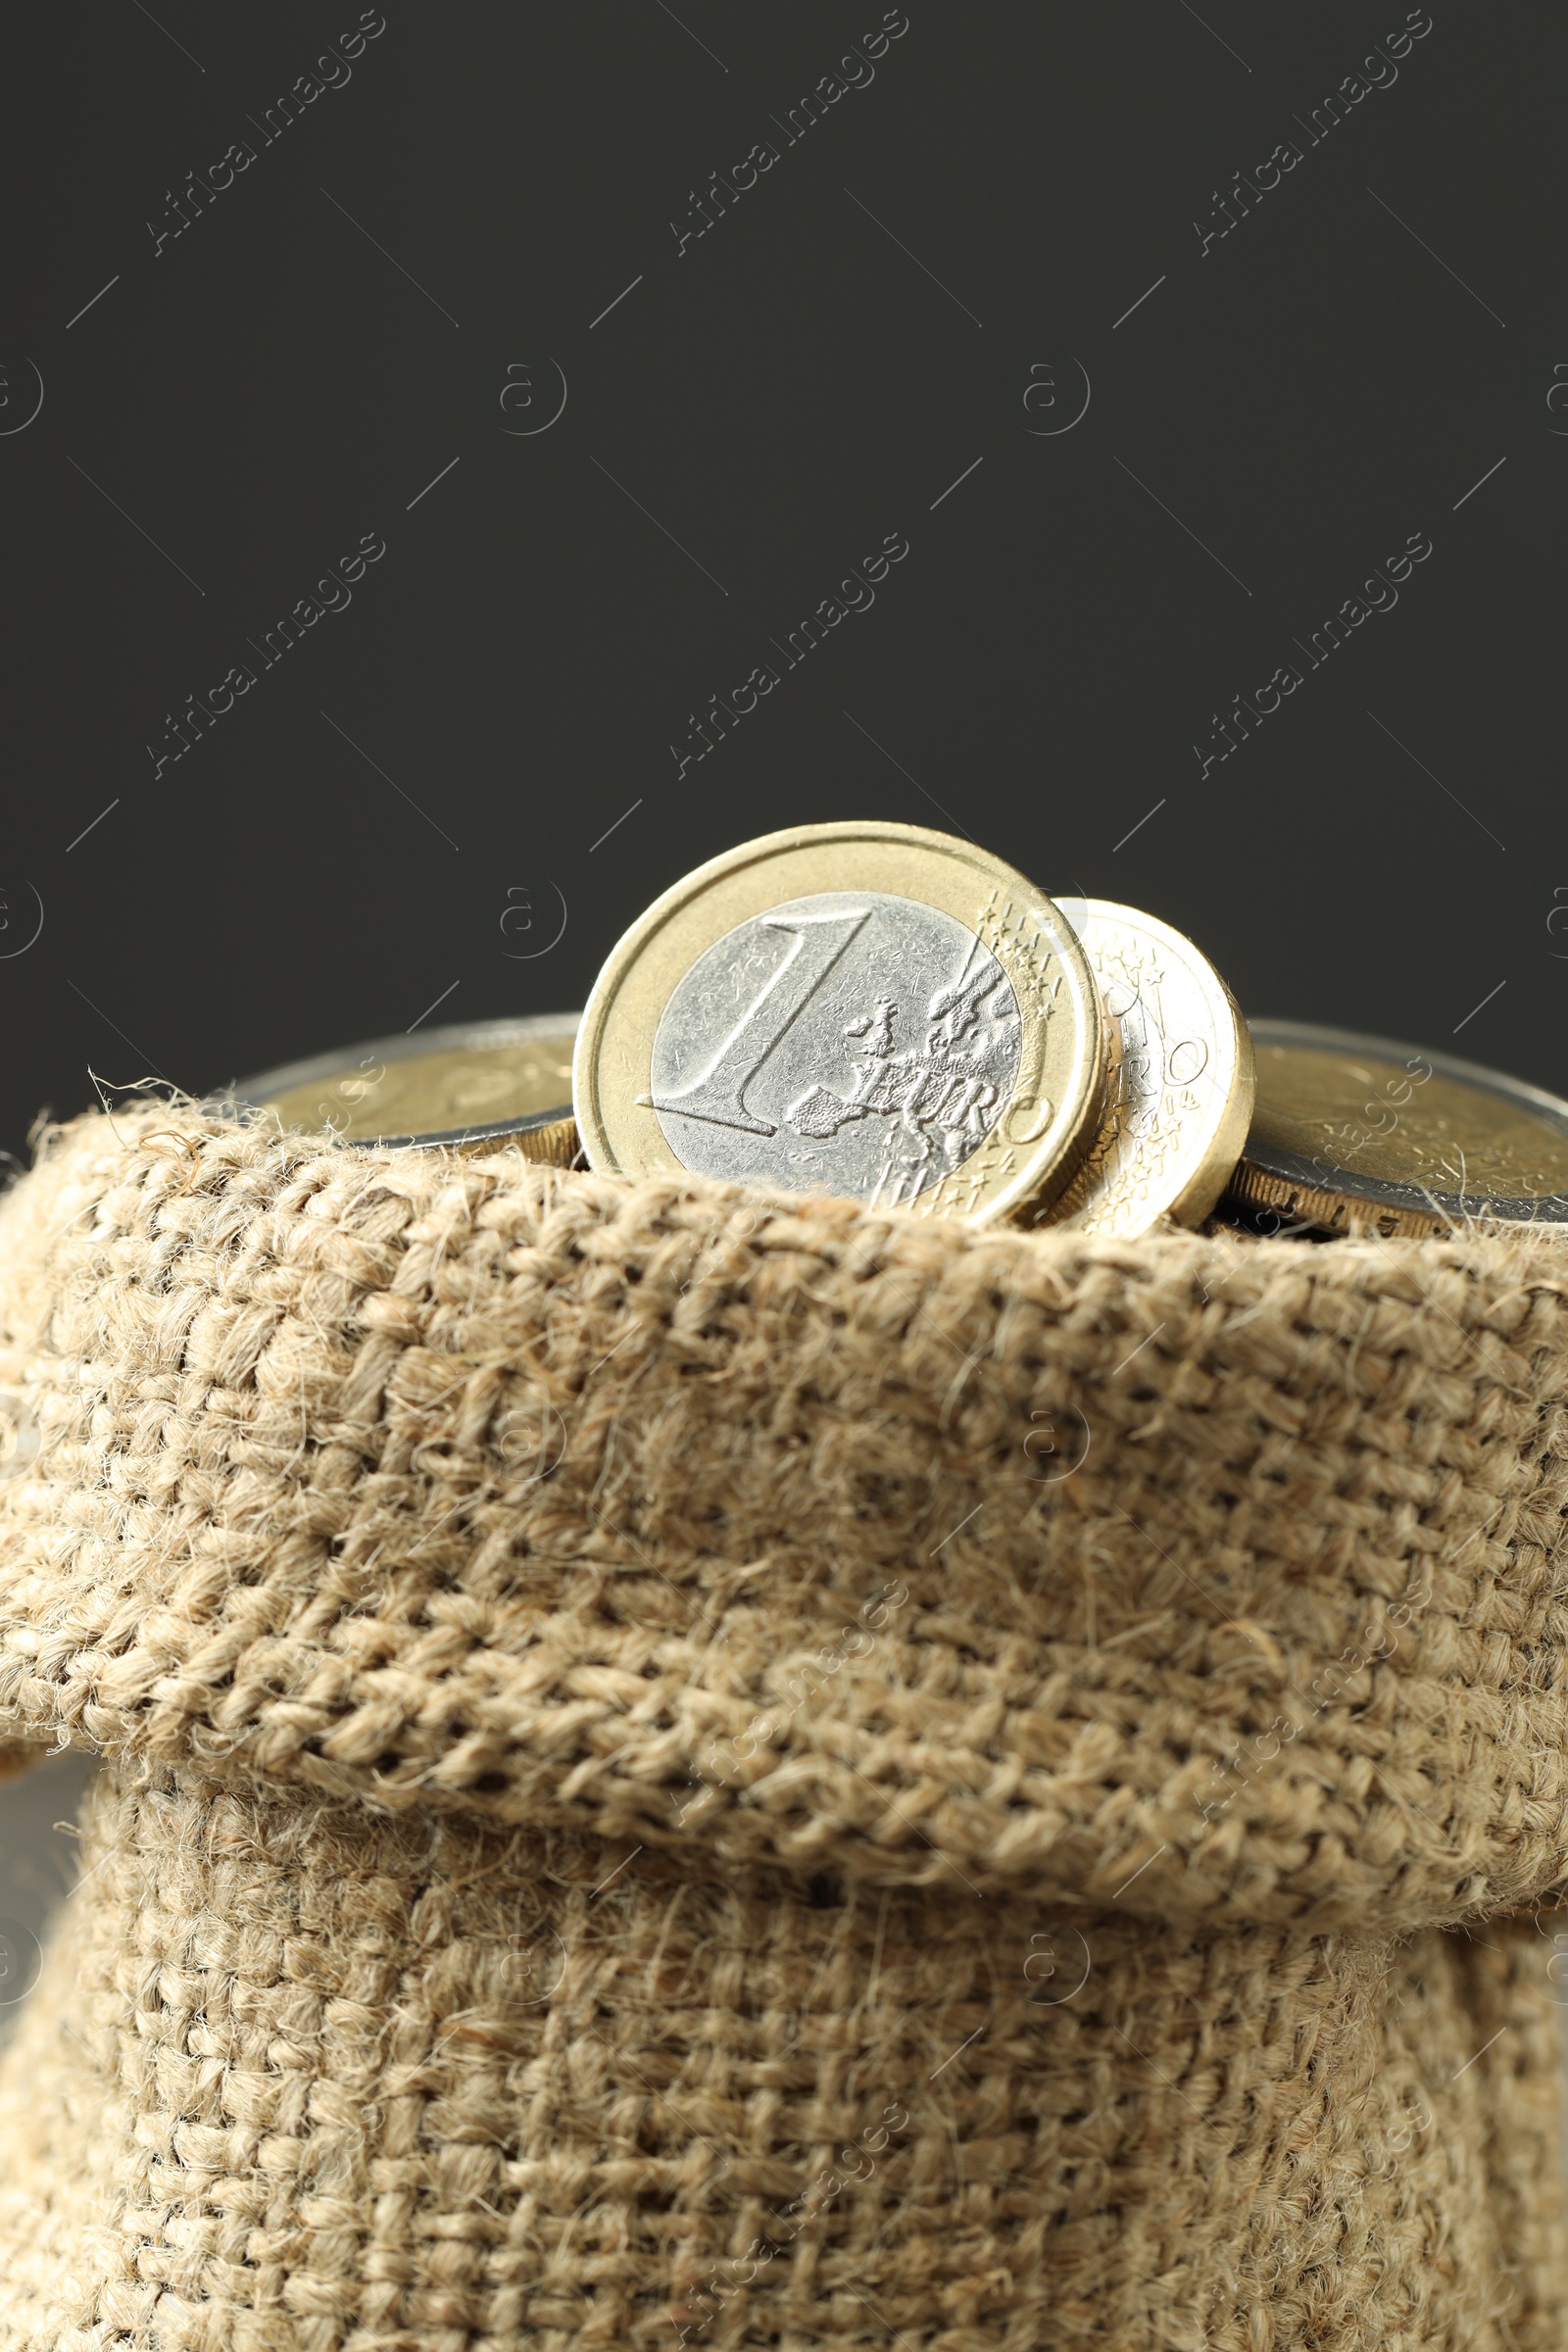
x: 1355, y: 1133
x: 861, y: 1008
x: 473, y: 1087
x: 1178, y: 1086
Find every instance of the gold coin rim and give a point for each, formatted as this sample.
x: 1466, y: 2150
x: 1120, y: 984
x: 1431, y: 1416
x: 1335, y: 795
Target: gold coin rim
x: 1343, y: 1214
x: 622, y: 1136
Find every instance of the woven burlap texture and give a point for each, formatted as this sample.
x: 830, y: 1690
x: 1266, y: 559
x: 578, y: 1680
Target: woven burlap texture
x: 684, y: 1766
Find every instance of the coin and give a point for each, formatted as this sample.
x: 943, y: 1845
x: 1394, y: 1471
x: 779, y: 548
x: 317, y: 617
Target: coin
x: 865, y: 1008
x: 1178, y: 1086
x: 473, y: 1086
x: 1357, y: 1133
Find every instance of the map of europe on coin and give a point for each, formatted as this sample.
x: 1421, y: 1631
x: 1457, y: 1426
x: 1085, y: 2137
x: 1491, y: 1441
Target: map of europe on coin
x: 853, y: 1040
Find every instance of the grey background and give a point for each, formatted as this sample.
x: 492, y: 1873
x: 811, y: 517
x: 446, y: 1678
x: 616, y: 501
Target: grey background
x: 1271, y: 421
x: 457, y: 790
x: 38, y: 1866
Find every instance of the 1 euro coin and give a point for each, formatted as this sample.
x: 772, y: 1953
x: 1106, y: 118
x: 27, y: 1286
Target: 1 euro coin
x: 869, y: 1010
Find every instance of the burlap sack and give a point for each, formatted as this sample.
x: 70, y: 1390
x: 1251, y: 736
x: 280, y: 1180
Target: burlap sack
x: 683, y: 1767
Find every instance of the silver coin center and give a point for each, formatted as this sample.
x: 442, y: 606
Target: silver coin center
x: 853, y: 1041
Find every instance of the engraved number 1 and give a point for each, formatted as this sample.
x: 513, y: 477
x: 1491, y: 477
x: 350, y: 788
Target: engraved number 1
x: 816, y: 942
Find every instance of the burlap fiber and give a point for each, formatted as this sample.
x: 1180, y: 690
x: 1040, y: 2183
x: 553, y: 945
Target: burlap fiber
x: 682, y: 1766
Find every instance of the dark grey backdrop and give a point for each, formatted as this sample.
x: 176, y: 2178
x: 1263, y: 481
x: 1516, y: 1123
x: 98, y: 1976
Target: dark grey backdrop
x: 1000, y: 213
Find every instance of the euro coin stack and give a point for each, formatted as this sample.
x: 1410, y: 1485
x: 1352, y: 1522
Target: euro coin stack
x: 896, y: 1016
